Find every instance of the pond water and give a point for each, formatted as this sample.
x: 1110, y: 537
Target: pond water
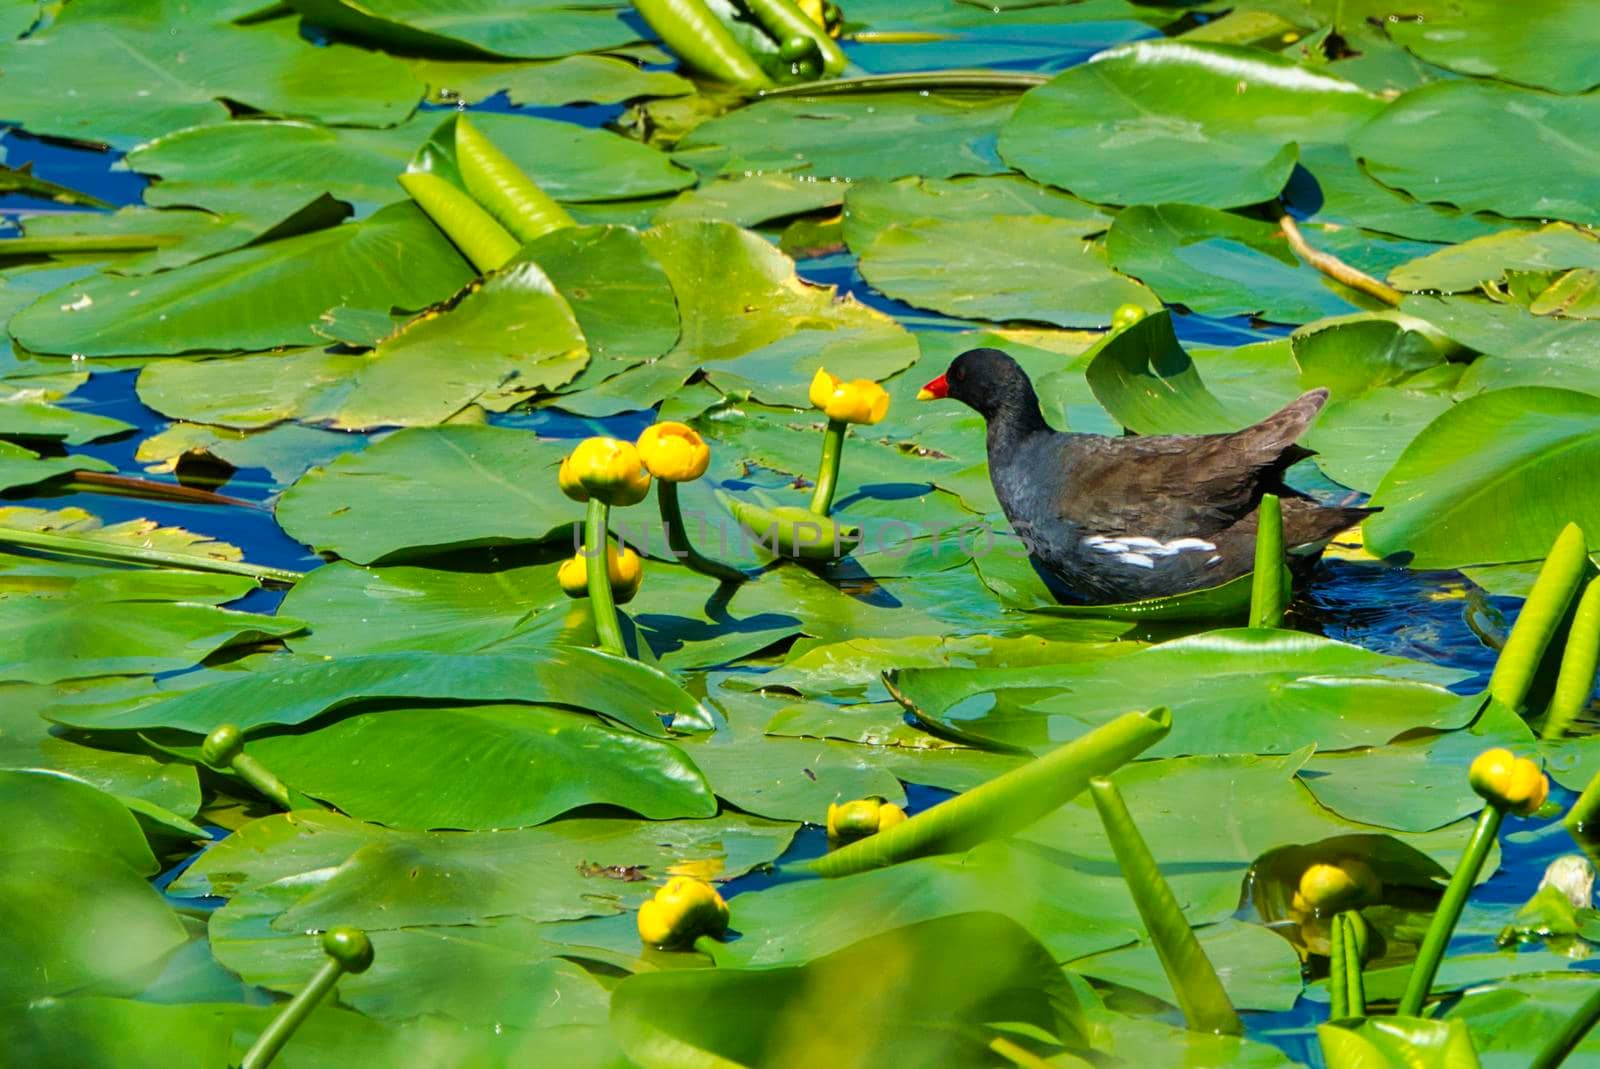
x: 1407, y: 613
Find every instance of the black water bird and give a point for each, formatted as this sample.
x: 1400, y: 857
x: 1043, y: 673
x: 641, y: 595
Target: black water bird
x: 1122, y: 519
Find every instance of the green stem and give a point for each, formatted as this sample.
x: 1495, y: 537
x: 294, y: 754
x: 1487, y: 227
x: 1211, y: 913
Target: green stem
x: 1572, y: 1032
x: 293, y: 1015
x: 1267, y: 588
x: 265, y: 783
x: 1338, y: 963
x: 678, y: 537
x: 1355, y: 953
x: 828, y: 467
x: 1205, y: 1004
x: 601, y: 604
x: 76, y: 546
x: 1576, y: 678
x: 1585, y: 812
x: 996, y: 81
x: 1431, y: 953
x: 1539, y: 619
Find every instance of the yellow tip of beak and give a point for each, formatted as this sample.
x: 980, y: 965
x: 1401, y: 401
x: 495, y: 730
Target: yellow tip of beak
x: 926, y: 395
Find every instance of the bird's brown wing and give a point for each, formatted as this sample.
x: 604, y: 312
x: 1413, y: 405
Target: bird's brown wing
x: 1189, y: 484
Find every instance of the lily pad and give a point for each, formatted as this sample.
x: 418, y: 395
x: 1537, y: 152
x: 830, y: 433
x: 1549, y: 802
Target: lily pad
x: 1264, y: 692
x: 1416, y: 142
x: 258, y: 168
x: 1035, y: 268
x: 853, y: 136
x: 921, y: 995
x: 1523, y: 449
x: 256, y: 298
x: 1549, y: 46
x: 429, y: 490
x: 529, y: 763
x: 474, y: 27
x: 1215, y: 125
x: 109, y: 71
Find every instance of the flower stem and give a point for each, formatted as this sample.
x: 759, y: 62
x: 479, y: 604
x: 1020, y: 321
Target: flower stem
x: 1431, y: 953
x: 601, y: 604
x: 828, y: 467
x: 678, y: 537
x: 1267, y: 594
x: 1571, y: 1034
x: 1338, y: 965
x: 1334, y: 267
x: 294, y: 1014
x: 1205, y: 1004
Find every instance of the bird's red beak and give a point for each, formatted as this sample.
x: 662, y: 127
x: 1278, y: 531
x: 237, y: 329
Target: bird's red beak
x: 934, y: 390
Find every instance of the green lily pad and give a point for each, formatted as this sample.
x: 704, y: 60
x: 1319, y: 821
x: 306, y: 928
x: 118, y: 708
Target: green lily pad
x: 293, y: 693
x: 21, y: 467
x: 1523, y: 449
x: 429, y: 490
x: 259, y: 168
x: 561, y: 870
x: 853, y: 136
x: 486, y: 766
x: 1413, y: 143
x: 1490, y: 258
x: 36, y: 420
x: 583, y: 79
x: 1215, y: 125
x: 109, y: 71
x: 873, y: 206
x: 1258, y: 968
x: 255, y: 298
x: 1036, y: 268
x: 1351, y: 197
x: 1549, y: 46
x: 1221, y: 264
x: 474, y: 27
x: 925, y: 994
x: 1264, y: 692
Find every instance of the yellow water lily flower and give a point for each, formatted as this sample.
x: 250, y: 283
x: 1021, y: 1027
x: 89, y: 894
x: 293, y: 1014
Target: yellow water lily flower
x: 860, y: 401
x: 607, y: 468
x: 674, y: 452
x: 1508, y: 781
x: 626, y: 571
x: 682, y: 910
x: 862, y: 817
x: 1328, y: 887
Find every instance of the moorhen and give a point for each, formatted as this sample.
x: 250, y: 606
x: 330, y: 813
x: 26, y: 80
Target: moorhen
x: 1122, y: 519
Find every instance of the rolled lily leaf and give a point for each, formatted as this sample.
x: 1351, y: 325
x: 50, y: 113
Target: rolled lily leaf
x: 1006, y: 803
x: 471, y: 229
x: 499, y: 185
x: 1540, y: 618
x: 701, y: 41
x: 1269, y: 590
x: 1576, y: 678
x: 1398, y: 1042
x: 1205, y: 1004
x: 791, y: 531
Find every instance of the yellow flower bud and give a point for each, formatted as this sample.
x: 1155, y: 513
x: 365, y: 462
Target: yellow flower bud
x: 863, y: 817
x: 1510, y: 782
x: 1330, y: 887
x: 682, y: 910
x: 568, y: 481
x: 1126, y: 315
x: 861, y: 401
x: 606, y: 468
x: 626, y: 571
x: 674, y: 452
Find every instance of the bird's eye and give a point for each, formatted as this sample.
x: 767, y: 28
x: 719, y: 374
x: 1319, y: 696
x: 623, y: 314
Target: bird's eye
x: 961, y: 374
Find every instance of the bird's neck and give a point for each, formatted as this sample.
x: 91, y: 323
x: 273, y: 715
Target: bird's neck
x: 1016, y: 419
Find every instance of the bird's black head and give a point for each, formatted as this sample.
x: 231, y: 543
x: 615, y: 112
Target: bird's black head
x: 989, y: 382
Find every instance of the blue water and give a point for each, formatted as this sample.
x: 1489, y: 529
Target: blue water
x: 1407, y: 613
